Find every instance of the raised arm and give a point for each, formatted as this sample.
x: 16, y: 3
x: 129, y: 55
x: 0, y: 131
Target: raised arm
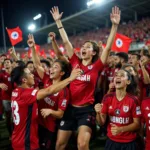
x: 115, y: 19
x: 57, y: 51
x: 57, y: 17
x: 35, y: 57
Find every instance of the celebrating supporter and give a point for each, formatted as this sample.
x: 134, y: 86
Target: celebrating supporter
x: 123, y: 111
x: 54, y: 105
x: 145, y: 108
x: 80, y: 114
x: 24, y: 106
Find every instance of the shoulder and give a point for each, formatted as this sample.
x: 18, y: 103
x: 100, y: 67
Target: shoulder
x: 108, y: 96
x: 64, y: 92
x: 146, y: 100
x: 133, y: 98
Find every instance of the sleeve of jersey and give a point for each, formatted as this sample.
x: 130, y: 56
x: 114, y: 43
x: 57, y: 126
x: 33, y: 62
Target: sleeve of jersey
x: 105, y: 105
x: 63, y: 99
x: 136, y: 110
x: 30, y: 96
x: 99, y: 66
x: 74, y: 60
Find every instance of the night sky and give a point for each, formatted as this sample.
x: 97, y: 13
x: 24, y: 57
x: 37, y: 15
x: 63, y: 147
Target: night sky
x: 20, y: 13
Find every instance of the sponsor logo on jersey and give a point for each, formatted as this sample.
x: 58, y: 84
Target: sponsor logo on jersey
x: 117, y: 112
x: 149, y: 115
x: 120, y: 120
x: 49, y: 101
x: 84, y: 78
x: 125, y: 108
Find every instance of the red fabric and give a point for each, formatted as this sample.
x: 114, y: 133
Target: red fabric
x: 147, y: 42
x: 82, y: 89
x: 5, y: 78
x: 42, y: 53
x: 52, y: 54
x: 15, y: 35
x: 145, y: 107
x: 121, y: 43
x: 25, y: 116
x: 121, y: 113
x: 56, y: 101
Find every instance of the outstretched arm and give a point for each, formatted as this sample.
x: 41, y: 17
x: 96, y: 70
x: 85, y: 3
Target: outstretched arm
x: 57, y: 51
x: 35, y: 57
x: 13, y: 53
x: 115, y: 19
x: 57, y: 17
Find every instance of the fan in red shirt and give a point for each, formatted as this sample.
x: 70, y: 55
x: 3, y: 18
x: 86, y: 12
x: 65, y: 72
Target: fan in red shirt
x: 124, y: 113
x: 145, y: 108
x: 80, y: 114
x: 6, y: 90
x: 24, y: 106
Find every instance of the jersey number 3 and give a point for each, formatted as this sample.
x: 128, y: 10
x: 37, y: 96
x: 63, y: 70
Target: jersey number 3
x: 15, y: 108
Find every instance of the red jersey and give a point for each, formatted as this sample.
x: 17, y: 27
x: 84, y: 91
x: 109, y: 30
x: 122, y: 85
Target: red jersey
x: 121, y: 113
x: 5, y: 78
x: 25, y: 116
x: 56, y: 101
x: 145, y: 107
x: 82, y: 89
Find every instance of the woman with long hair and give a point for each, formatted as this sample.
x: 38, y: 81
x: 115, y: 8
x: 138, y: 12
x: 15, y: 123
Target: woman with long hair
x: 80, y: 114
x: 123, y: 111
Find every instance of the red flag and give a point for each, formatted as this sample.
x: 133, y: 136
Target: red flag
x: 15, y: 35
x: 42, y: 53
x: 52, y: 54
x: 147, y: 42
x: 121, y: 43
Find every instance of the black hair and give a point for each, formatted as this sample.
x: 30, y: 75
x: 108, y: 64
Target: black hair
x: 17, y: 75
x: 65, y: 67
x: 8, y: 59
x: 147, y: 55
x: 129, y: 65
x: 20, y: 63
x: 132, y: 88
x: 46, y: 62
x: 138, y: 56
x: 123, y: 55
x: 29, y: 62
x: 96, y: 49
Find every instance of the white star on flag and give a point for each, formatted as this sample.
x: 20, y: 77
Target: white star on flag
x: 119, y: 43
x: 14, y: 35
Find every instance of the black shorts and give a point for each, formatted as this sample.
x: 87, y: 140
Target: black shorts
x: 46, y: 139
x: 74, y: 117
x: 112, y: 145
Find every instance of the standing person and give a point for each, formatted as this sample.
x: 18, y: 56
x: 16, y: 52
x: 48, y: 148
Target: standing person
x: 54, y: 105
x: 6, y: 90
x: 80, y: 115
x: 145, y: 108
x: 123, y: 111
x: 24, y: 106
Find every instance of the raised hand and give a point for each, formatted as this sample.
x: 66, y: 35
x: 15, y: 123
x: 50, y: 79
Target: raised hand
x: 11, y: 51
x: 31, y: 42
x: 52, y: 35
x: 115, y: 15
x: 55, y: 13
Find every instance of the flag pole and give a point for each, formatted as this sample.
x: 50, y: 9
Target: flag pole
x: 3, y: 30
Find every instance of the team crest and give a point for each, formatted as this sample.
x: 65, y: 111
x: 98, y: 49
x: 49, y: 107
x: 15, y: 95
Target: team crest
x: 117, y: 112
x: 14, y: 35
x: 125, y: 108
x: 90, y: 67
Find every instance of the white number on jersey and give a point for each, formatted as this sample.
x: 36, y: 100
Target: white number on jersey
x: 15, y: 108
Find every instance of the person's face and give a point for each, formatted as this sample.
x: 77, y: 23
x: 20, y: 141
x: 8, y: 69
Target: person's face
x: 87, y: 51
x: 121, y: 79
x: 134, y: 61
x: 56, y: 71
x: 29, y: 78
x: 46, y: 68
x: 7, y: 64
x: 30, y: 66
x: 2, y: 58
x: 117, y: 62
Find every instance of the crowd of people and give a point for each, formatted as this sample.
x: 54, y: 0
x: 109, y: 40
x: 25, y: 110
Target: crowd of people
x: 51, y: 99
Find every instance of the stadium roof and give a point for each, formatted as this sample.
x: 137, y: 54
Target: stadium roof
x: 99, y: 15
